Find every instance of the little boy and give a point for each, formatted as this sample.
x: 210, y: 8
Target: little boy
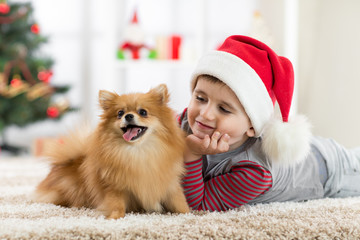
x: 238, y: 152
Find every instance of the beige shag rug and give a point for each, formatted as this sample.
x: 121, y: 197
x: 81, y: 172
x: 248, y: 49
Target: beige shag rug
x: 20, y: 218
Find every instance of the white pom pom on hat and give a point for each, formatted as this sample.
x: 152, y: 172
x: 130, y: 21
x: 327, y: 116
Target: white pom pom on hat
x: 259, y: 78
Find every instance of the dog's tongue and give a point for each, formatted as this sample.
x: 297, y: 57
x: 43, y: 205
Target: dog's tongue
x: 130, y: 133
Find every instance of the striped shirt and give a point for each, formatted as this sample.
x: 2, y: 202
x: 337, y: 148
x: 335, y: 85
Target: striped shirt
x: 216, y: 185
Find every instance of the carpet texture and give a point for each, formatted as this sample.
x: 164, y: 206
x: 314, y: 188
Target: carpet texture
x: 20, y: 218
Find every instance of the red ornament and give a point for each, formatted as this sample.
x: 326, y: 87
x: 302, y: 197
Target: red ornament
x: 4, y: 8
x: 35, y: 28
x: 15, y: 83
x: 52, y: 112
x: 45, y: 76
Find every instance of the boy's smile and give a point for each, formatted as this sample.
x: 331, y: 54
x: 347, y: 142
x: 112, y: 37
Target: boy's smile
x: 204, y: 126
x: 215, y: 107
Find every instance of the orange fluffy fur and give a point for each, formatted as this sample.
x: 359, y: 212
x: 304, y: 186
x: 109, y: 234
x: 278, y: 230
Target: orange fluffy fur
x: 102, y: 170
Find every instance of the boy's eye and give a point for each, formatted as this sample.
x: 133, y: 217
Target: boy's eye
x: 120, y: 113
x: 200, y: 99
x: 143, y: 112
x: 224, y: 110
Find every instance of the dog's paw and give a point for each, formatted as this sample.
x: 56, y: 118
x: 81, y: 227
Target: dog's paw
x: 116, y: 214
x: 183, y: 209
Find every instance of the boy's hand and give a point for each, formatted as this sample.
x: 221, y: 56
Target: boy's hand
x: 196, y: 147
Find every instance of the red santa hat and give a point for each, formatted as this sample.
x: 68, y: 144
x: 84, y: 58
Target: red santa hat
x: 259, y: 78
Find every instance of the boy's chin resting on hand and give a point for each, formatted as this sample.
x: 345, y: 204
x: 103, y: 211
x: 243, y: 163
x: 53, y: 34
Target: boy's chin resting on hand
x: 196, y: 147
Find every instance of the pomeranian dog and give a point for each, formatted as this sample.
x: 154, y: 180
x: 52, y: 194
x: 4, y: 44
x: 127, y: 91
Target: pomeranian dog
x: 132, y: 161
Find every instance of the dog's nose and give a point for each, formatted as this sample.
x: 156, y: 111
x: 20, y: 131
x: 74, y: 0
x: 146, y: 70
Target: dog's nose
x: 129, y: 117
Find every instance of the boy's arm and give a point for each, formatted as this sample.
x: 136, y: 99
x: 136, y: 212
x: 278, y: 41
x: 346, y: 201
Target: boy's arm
x: 245, y: 181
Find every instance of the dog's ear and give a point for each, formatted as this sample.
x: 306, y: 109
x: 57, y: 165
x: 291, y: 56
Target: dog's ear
x: 105, y: 98
x: 161, y: 91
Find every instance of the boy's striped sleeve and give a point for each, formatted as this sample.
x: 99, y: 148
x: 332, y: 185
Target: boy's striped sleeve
x: 245, y: 181
x: 180, y: 117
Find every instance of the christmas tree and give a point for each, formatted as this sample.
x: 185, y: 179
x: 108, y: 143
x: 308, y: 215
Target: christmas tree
x: 26, y: 95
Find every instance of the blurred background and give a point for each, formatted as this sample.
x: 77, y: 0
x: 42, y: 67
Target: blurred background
x: 132, y: 45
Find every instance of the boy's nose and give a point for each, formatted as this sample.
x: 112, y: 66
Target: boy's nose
x: 207, y: 113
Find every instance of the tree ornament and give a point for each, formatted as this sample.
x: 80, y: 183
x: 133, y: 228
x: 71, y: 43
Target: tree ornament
x: 39, y: 90
x: 45, y: 75
x: 62, y: 104
x: 4, y: 8
x: 35, y: 28
x: 23, y: 10
x: 52, y: 112
x: 16, y: 87
x: 13, y: 17
x: 16, y: 81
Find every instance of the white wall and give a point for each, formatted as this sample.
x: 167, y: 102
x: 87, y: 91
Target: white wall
x: 329, y: 63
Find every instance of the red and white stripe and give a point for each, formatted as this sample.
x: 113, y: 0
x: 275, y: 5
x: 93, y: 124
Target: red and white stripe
x: 245, y: 181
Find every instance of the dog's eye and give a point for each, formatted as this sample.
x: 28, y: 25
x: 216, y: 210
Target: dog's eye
x: 143, y: 112
x: 120, y: 113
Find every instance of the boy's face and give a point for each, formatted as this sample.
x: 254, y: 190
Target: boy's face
x: 215, y: 107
